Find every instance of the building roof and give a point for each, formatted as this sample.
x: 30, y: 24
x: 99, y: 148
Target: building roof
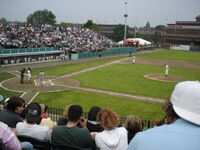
x: 188, y: 23
x: 198, y: 17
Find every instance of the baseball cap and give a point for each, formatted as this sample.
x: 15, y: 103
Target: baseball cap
x: 185, y: 99
x: 33, y: 113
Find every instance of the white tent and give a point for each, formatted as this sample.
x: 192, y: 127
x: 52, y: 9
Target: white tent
x: 120, y: 42
x: 142, y: 42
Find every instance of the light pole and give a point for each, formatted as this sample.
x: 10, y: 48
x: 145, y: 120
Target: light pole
x: 125, y: 17
x: 135, y: 28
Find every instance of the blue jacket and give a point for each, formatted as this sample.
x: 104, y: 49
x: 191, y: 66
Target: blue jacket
x: 180, y: 135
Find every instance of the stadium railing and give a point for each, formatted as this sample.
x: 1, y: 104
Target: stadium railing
x: 28, y: 50
x: 56, y: 113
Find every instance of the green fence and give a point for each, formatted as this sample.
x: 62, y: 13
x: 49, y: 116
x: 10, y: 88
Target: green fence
x: 113, y: 51
x: 27, y: 50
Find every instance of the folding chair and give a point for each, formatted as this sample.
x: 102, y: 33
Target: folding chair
x: 37, y: 143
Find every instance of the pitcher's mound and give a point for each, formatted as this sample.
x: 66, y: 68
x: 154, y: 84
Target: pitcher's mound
x: 164, y: 78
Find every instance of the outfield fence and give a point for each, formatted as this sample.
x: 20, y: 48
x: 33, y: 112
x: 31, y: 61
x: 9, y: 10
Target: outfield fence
x: 112, y: 51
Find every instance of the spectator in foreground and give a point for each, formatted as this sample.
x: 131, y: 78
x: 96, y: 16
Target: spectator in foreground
x: 64, y: 119
x: 133, y: 125
x: 11, y: 114
x: 72, y: 135
x: 183, y: 117
x: 44, y: 109
x: 46, y: 121
x: 92, y: 124
x: 113, y: 137
x: 8, y: 140
x: 31, y: 127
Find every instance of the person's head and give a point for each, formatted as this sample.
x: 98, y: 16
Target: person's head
x: 33, y: 113
x: 92, y: 115
x: 108, y: 119
x: 75, y: 112
x: 185, y: 100
x: 133, y: 124
x: 15, y: 104
x: 43, y: 108
x: 171, y: 115
x: 65, y: 111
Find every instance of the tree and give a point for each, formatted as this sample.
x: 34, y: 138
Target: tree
x: 146, y: 36
x: 63, y: 24
x: 118, y: 32
x: 160, y: 27
x: 90, y: 25
x: 157, y: 37
x: 3, y: 20
x: 41, y: 17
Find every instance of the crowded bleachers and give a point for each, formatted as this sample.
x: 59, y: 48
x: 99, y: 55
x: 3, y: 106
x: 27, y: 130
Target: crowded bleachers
x: 73, y: 39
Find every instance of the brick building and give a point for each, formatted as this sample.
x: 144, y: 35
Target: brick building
x: 183, y: 33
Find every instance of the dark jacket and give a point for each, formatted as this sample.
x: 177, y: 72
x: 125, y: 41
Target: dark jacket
x: 94, y: 127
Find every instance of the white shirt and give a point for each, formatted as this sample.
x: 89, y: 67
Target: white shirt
x: 115, y: 139
x: 29, y: 74
x: 33, y: 130
x: 41, y: 75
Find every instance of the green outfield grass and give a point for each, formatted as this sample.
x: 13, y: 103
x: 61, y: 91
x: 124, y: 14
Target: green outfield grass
x: 5, y: 93
x: 125, y: 78
x: 129, y: 78
x: 123, y: 106
x: 174, y: 54
x: 68, y: 68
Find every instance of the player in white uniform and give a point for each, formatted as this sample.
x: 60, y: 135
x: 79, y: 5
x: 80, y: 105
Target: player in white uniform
x: 133, y: 60
x: 41, y: 77
x: 29, y: 74
x: 166, y: 69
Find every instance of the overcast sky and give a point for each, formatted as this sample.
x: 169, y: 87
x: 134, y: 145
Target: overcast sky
x: 105, y: 11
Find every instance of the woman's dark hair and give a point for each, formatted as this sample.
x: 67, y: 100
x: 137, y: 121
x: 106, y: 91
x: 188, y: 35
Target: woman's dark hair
x: 133, y: 124
x: 92, y: 115
x: 46, y: 108
x: 15, y: 102
x: 169, y: 110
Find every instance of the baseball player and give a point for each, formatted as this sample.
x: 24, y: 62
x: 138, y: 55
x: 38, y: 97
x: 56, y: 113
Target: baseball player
x: 41, y: 77
x: 166, y: 69
x: 133, y: 60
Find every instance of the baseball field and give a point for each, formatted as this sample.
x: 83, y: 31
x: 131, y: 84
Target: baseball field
x: 110, y: 82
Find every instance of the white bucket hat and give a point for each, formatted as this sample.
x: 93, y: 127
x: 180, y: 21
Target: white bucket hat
x: 186, y: 101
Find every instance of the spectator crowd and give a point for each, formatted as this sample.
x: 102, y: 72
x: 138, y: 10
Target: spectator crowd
x: 103, y: 130
x: 73, y: 39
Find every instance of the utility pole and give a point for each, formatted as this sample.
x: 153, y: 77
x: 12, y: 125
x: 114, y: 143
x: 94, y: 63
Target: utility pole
x: 175, y: 23
x: 135, y: 28
x: 125, y: 17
